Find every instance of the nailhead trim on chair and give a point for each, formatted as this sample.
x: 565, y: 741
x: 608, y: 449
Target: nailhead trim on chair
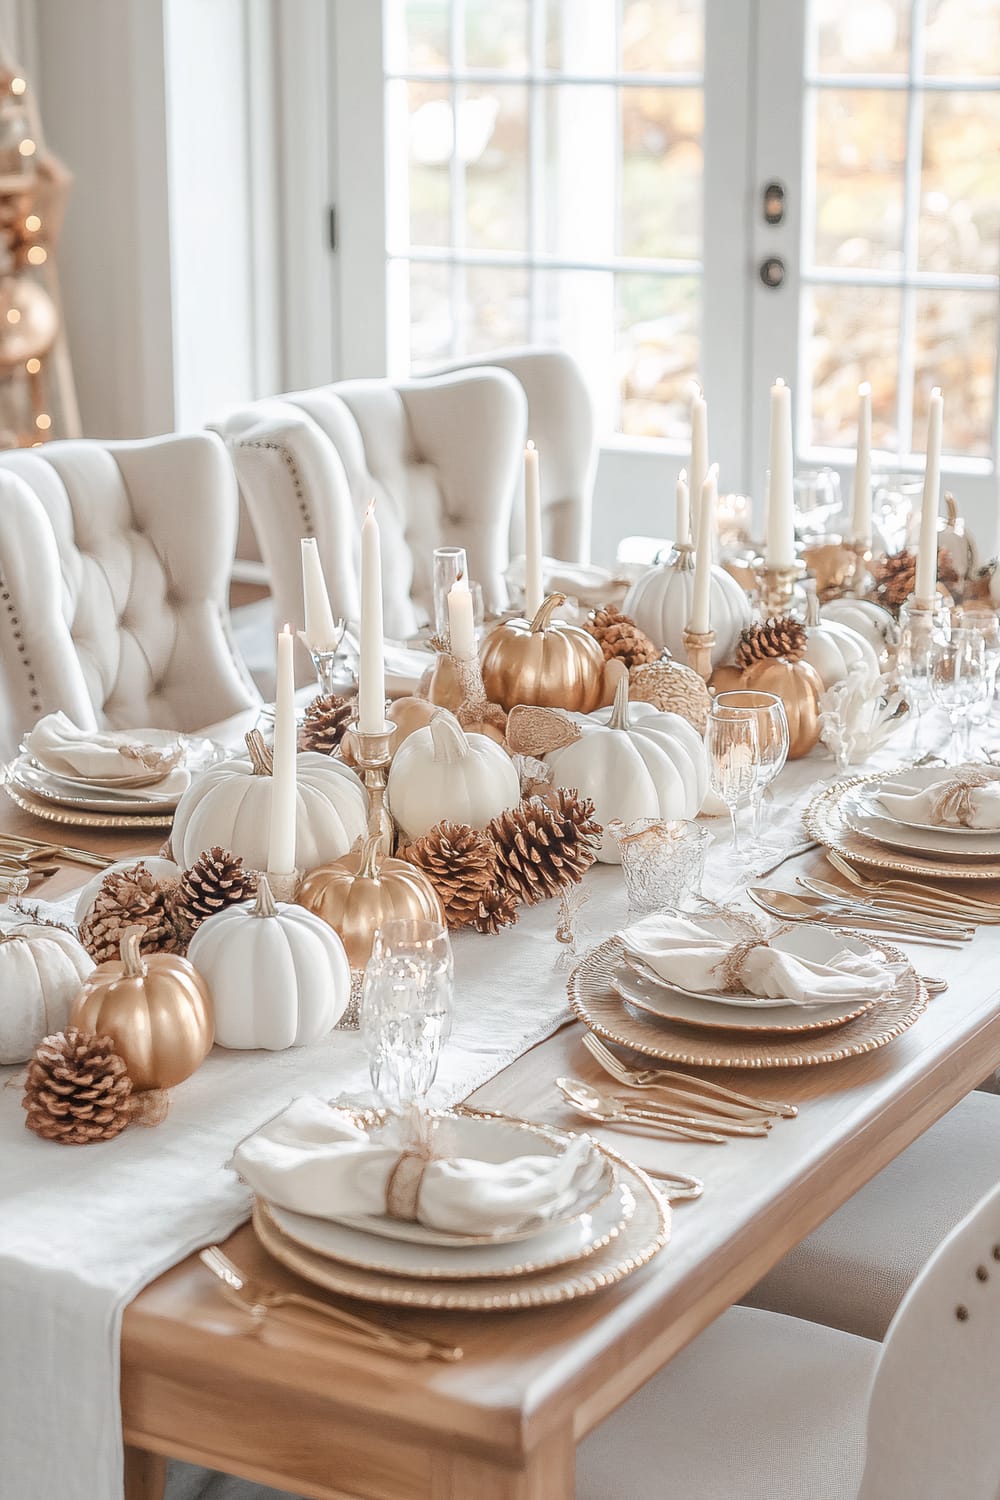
x: 288, y: 459
x: 15, y: 624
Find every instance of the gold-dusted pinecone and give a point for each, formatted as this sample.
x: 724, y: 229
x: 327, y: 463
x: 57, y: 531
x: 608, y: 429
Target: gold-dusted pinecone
x: 895, y: 576
x: 461, y: 863
x: 130, y: 898
x: 619, y: 637
x: 782, y: 636
x: 497, y: 909
x: 77, y: 1090
x: 544, y: 846
x: 216, y: 879
x: 325, y: 722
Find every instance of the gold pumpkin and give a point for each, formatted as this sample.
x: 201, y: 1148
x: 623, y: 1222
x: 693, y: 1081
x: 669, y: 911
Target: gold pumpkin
x: 407, y: 714
x: 156, y: 1008
x: 798, y: 685
x: 543, y: 662
x: 358, y: 892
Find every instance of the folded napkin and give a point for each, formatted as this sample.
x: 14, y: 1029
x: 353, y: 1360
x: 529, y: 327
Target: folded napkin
x: 588, y: 584
x: 968, y: 798
x: 685, y: 953
x: 95, y: 755
x: 315, y: 1159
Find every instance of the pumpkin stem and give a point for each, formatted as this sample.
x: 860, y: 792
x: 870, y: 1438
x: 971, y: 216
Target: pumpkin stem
x: 264, y: 906
x: 812, y: 606
x: 260, y: 756
x: 545, y: 611
x: 682, y: 559
x: 368, y: 868
x: 450, y: 742
x: 950, y: 507
x: 619, y: 709
x: 131, y: 953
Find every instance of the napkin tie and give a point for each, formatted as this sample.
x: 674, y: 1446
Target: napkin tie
x: 402, y: 1188
x: 730, y: 965
x: 952, y: 803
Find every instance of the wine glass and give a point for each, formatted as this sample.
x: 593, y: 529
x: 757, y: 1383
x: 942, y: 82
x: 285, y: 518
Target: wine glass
x: 959, y: 683
x: 986, y: 622
x: 772, y: 743
x: 406, y: 1008
x: 733, y: 759
x: 817, y: 500
x: 919, y: 633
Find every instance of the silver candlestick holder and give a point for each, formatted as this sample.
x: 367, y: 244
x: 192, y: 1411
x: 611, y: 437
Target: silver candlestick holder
x: 371, y: 753
x: 779, y: 589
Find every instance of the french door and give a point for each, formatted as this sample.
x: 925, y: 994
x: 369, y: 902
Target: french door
x: 721, y: 190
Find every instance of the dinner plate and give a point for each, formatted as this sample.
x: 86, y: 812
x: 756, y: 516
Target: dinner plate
x: 969, y: 844
x: 691, y: 1010
x: 199, y: 753
x: 548, y: 1246
x: 78, y: 817
x: 483, y: 1138
x: 38, y: 782
x: 917, y: 779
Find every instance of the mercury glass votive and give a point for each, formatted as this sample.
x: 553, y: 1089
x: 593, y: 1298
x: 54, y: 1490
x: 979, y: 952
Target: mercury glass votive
x: 663, y: 862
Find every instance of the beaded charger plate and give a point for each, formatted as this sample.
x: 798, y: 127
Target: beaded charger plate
x: 827, y: 820
x: 52, y: 812
x: 602, y: 1010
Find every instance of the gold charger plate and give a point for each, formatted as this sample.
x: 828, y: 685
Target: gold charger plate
x: 640, y: 1239
x: 826, y: 822
x: 50, y: 812
x: 602, y: 1010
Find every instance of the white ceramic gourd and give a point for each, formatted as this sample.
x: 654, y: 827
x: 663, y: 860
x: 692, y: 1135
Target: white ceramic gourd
x: 41, y: 970
x: 278, y: 975
x: 660, y: 604
x: 230, y: 805
x: 833, y: 648
x: 633, y: 762
x: 442, y: 772
x: 868, y: 619
x: 160, y: 869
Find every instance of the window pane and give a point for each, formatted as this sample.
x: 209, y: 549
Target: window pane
x: 962, y: 38
x: 575, y: 311
x: 577, y: 203
x: 956, y: 349
x: 493, y: 146
x: 496, y: 34
x: 580, y: 36
x: 416, y: 34
x: 430, y: 314
x: 661, y: 172
x: 854, y: 336
x: 663, y: 36
x: 431, y: 128
x: 860, y: 149
x: 960, y: 189
x: 862, y: 36
x: 496, y: 308
x: 656, y: 357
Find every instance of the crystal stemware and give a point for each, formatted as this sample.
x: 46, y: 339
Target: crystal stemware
x: 772, y: 744
x: 959, y: 684
x: 733, y: 759
x: 986, y: 622
x: 920, y: 630
x: 406, y: 1008
x: 450, y: 564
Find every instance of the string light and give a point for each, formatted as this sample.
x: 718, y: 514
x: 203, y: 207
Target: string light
x: 32, y: 223
x: 38, y: 255
x: 17, y: 85
x: 27, y: 146
x: 13, y: 315
x: 43, y: 421
x: 33, y: 365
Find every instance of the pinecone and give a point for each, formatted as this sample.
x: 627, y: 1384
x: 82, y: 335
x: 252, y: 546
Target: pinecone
x: 544, y: 846
x: 620, y: 637
x: 782, y: 636
x: 130, y: 898
x: 895, y: 576
x: 77, y: 1089
x: 461, y: 863
x: 216, y: 879
x: 497, y: 909
x: 325, y: 722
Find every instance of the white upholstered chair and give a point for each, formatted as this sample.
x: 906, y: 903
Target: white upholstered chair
x: 766, y: 1407
x: 114, y: 575
x: 441, y: 457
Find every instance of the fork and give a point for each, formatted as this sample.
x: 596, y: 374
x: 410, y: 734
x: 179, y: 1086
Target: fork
x: 644, y: 1078
x: 258, y: 1300
x: 683, y: 1097
x: 971, y: 906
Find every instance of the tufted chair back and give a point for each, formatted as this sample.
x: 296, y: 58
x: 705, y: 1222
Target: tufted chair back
x: 440, y: 456
x: 114, y: 573
x: 561, y: 425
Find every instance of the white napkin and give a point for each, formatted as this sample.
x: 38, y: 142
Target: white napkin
x: 99, y: 756
x: 948, y: 802
x: 313, y: 1159
x: 588, y: 584
x: 685, y: 953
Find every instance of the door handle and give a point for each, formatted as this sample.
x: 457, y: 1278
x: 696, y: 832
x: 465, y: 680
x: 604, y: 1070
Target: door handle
x: 772, y: 271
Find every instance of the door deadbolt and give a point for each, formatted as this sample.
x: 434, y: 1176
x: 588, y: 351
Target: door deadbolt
x: 772, y: 271
x: 774, y: 203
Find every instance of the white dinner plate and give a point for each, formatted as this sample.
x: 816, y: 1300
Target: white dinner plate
x: 917, y: 779
x: 972, y: 844
x: 706, y: 1015
x: 49, y: 787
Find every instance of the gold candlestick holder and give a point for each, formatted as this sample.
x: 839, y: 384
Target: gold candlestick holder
x: 698, y: 645
x: 779, y: 589
x: 284, y: 887
x: 372, y: 753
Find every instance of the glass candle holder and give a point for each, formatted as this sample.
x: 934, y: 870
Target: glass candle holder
x: 663, y: 862
x: 450, y: 564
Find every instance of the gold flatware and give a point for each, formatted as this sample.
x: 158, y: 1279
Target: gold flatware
x: 918, y: 895
x: 258, y: 1300
x: 886, y: 905
x: 594, y: 1105
x: 789, y: 908
x: 647, y: 1077
x: 678, y: 1184
x: 636, y: 1078
x: 30, y: 849
x: 720, y: 1124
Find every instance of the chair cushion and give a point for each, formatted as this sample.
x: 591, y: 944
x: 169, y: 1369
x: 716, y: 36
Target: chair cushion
x: 852, y: 1272
x: 759, y: 1407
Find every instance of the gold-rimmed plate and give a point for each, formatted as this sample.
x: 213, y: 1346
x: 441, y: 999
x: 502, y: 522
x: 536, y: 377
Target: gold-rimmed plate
x: 667, y: 1004
x: 599, y: 1006
x: 51, y: 812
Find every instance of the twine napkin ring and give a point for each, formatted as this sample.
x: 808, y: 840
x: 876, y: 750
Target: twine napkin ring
x: 402, y: 1188
x: 953, y: 803
x: 731, y: 963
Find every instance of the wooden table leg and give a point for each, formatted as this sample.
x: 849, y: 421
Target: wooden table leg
x: 549, y: 1475
x: 145, y: 1474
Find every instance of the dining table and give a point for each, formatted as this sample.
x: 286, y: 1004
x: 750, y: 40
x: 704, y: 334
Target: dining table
x: 290, y: 1405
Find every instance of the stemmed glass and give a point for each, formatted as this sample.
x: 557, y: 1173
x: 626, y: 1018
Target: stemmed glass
x: 406, y: 1008
x: 733, y: 759
x: 772, y: 744
x: 986, y: 622
x: 959, y: 683
x: 920, y: 631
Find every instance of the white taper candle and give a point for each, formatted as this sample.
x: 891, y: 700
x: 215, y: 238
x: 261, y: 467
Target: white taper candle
x: 320, y: 628
x: 533, y: 587
x: 461, y: 624
x: 926, y: 580
x: 371, y: 670
x: 779, y: 550
x: 698, y: 467
x: 281, y: 830
x: 861, y: 509
x: 682, y: 513
x: 701, y: 597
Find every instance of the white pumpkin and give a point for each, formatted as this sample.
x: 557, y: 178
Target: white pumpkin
x: 160, y: 869
x: 660, y: 604
x: 230, y: 804
x: 41, y: 971
x: 868, y: 619
x: 633, y: 762
x: 833, y: 648
x: 442, y: 772
x: 278, y: 975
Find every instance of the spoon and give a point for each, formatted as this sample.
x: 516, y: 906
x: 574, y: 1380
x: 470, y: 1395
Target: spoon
x: 795, y: 909
x: 595, y: 1105
x: 882, y: 908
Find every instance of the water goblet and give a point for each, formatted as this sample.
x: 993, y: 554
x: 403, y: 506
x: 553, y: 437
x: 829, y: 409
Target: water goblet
x: 772, y: 743
x: 920, y: 630
x: 733, y: 759
x: 406, y: 1008
x: 981, y: 618
x: 959, y: 684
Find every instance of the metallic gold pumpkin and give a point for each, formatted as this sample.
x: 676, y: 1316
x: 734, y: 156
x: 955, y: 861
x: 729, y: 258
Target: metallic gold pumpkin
x: 408, y: 714
x: 156, y: 1008
x: 358, y: 892
x: 544, y: 662
x: 798, y: 685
